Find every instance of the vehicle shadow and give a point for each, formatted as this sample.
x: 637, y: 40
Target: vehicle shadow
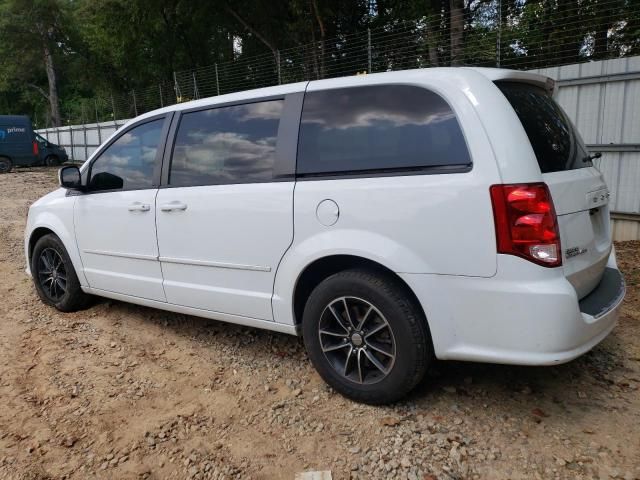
x: 583, y: 385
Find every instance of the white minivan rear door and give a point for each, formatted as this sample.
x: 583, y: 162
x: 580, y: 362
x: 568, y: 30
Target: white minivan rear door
x: 579, y: 192
x: 224, y: 212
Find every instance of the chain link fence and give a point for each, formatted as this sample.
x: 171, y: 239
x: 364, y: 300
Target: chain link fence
x: 535, y: 37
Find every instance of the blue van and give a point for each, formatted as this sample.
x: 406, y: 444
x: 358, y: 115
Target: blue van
x: 20, y: 146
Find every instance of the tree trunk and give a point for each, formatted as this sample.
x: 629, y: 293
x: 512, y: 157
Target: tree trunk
x: 456, y: 12
x: 54, y: 101
x: 314, y: 55
x: 316, y: 12
x: 255, y: 32
x: 431, y: 44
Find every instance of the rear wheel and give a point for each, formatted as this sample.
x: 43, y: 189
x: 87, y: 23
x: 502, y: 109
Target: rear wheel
x: 366, y: 336
x: 5, y: 165
x: 54, y: 277
x: 52, y: 161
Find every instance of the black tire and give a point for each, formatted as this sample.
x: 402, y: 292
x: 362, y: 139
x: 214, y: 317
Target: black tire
x: 380, y: 300
x: 5, y: 165
x: 65, y: 295
x: 51, y: 161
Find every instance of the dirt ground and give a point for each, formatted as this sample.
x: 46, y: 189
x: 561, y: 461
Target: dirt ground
x: 121, y: 391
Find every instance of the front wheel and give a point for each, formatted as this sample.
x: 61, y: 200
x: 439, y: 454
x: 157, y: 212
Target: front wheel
x: 366, y: 336
x: 5, y: 165
x: 54, y: 277
x: 51, y: 161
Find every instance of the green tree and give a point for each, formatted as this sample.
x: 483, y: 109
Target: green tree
x: 33, y: 39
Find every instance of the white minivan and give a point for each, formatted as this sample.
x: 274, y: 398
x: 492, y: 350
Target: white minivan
x: 388, y: 219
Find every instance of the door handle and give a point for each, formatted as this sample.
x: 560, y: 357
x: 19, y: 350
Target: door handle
x: 172, y: 206
x: 139, y: 207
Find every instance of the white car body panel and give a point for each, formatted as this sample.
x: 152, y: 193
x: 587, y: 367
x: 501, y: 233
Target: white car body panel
x: 222, y: 252
x: 197, y: 312
x: 54, y: 212
x: 515, y: 325
x: 405, y: 241
x: 237, y: 252
x: 116, y: 237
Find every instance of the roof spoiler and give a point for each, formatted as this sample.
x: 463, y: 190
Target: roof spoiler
x: 505, y: 75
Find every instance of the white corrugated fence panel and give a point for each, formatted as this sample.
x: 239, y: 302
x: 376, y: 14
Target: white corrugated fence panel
x: 627, y: 195
x: 81, y: 140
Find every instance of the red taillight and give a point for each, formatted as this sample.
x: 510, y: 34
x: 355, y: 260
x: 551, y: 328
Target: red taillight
x: 35, y: 147
x: 526, y: 223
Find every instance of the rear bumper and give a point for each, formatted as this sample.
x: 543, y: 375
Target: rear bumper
x: 504, y: 319
x: 607, y: 296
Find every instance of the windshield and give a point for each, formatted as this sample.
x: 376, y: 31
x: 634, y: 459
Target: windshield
x: 41, y: 139
x: 554, y: 139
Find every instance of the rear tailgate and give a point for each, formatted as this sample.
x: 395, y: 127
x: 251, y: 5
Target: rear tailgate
x: 579, y: 193
x: 581, y: 199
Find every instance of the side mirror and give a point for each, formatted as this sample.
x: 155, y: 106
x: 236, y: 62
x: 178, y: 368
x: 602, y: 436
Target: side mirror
x: 106, y: 181
x: 70, y: 178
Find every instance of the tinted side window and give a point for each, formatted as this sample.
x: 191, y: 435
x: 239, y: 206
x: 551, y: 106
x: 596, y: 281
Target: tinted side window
x: 224, y: 145
x: 384, y: 127
x: 128, y: 163
x: 553, y: 137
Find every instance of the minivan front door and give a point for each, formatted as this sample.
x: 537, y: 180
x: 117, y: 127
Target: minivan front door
x: 223, y: 221
x: 115, y: 219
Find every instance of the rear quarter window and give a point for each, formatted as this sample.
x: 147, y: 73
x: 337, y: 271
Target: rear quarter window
x: 555, y: 140
x: 377, y: 129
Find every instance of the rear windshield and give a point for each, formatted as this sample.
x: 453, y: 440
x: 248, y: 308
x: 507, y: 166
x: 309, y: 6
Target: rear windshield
x: 554, y: 139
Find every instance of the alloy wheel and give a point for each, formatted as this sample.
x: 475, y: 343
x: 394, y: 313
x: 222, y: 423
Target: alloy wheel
x: 52, y: 274
x: 357, y: 340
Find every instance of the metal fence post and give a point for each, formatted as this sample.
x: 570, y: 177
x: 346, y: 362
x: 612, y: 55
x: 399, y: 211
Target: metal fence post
x: 217, y: 82
x: 73, y: 152
x: 135, y: 105
x: 84, y: 132
x: 369, y: 49
x: 196, y: 94
x: 278, y: 67
x: 98, y: 123
x: 176, y: 87
x: 161, y: 100
x: 113, y: 108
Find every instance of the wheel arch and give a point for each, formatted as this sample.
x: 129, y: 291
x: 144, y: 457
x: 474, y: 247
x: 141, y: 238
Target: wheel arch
x: 323, y: 267
x: 46, y: 223
x: 36, y: 235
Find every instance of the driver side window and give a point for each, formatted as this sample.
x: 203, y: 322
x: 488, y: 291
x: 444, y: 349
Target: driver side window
x: 128, y: 163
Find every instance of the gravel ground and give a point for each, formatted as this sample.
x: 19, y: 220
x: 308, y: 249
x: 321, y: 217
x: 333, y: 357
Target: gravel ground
x: 121, y: 391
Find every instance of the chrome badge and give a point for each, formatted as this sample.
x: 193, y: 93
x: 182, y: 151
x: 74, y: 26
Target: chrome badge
x: 598, y: 198
x: 574, y: 251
